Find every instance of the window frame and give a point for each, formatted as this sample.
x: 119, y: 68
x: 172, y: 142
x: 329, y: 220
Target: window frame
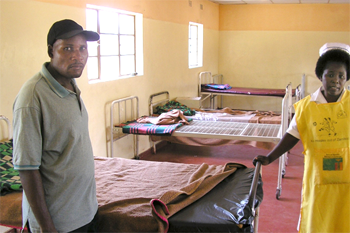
x: 198, y: 43
x: 138, y: 45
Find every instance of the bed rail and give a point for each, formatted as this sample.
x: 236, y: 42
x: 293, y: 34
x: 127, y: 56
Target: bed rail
x: 8, y: 124
x: 252, y: 195
x: 127, y: 109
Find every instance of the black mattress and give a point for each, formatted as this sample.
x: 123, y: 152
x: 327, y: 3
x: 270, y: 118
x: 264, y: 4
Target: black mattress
x: 223, y: 209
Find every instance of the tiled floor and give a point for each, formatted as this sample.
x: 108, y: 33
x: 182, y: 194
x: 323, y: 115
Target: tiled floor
x: 275, y: 215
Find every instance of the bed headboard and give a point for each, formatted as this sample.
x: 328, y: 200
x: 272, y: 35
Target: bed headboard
x: 8, y: 125
x: 158, y: 99
x: 121, y: 111
x: 206, y: 77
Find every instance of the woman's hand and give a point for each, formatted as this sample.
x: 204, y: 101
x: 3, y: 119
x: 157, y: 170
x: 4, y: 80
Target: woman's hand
x: 287, y: 142
x: 264, y: 160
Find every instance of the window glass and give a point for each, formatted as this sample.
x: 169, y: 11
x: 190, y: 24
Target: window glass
x: 92, y: 67
x: 91, y: 22
x: 108, y: 22
x: 109, y: 44
x: 195, y: 45
x: 127, y: 64
x: 92, y: 48
x: 128, y: 25
x: 127, y: 45
x: 109, y: 66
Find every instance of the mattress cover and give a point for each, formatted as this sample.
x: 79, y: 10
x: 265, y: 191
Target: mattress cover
x: 249, y: 91
x: 224, y: 209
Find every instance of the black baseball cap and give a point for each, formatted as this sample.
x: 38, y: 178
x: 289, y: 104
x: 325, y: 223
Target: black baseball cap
x: 67, y: 28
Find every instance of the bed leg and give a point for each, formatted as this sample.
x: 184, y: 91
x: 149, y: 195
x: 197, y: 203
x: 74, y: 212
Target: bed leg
x: 280, y: 175
x: 252, y: 195
x: 278, y: 194
x: 256, y: 220
x: 154, y: 148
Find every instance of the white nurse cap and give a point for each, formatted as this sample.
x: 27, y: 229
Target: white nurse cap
x: 329, y: 46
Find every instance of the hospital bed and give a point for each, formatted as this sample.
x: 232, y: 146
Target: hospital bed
x: 146, y: 196
x: 207, y: 92
x: 203, y: 132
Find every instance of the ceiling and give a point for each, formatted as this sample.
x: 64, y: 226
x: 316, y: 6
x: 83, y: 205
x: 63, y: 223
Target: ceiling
x: 279, y: 1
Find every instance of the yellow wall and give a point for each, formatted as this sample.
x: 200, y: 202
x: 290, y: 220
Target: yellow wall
x: 251, y: 45
x: 176, y: 11
x: 24, y: 27
x: 285, y: 17
x: 271, y: 45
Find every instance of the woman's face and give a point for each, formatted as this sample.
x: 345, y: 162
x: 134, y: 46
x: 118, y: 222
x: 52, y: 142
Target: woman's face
x: 333, y: 79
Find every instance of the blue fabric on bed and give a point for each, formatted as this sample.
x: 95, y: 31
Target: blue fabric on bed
x: 218, y: 86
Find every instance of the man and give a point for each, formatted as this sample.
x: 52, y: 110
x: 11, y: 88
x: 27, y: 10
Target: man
x: 52, y: 148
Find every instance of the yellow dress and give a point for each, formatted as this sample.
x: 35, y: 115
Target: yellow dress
x: 325, y: 130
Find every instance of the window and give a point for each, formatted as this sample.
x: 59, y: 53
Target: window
x: 195, y: 45
x: 119, y: 52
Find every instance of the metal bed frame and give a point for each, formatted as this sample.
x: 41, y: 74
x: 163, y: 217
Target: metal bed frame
x: 9, y: 135
x: 234, y: 130
x: 127, y: 109
x: 206, y: 77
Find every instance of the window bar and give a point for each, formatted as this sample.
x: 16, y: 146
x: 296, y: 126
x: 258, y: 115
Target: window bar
x: 98, y: 46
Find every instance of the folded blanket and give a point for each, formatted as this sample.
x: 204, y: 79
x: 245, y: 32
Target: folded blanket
x: 10, y: 180
x: 217, y: 86
x: 174, y: 105
x: 166, y: 118
x: 133, y: 127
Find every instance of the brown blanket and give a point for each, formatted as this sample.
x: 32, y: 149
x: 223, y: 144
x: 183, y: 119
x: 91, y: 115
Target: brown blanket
x: 11, y: 210
x: 139, y: 196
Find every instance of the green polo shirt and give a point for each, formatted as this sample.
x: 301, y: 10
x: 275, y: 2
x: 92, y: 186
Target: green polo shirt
x: 50, y: 133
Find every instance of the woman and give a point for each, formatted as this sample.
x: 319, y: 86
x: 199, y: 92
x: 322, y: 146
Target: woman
x: 322, y: 122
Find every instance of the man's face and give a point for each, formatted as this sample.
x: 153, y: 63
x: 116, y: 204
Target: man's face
x: 69, y: 56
